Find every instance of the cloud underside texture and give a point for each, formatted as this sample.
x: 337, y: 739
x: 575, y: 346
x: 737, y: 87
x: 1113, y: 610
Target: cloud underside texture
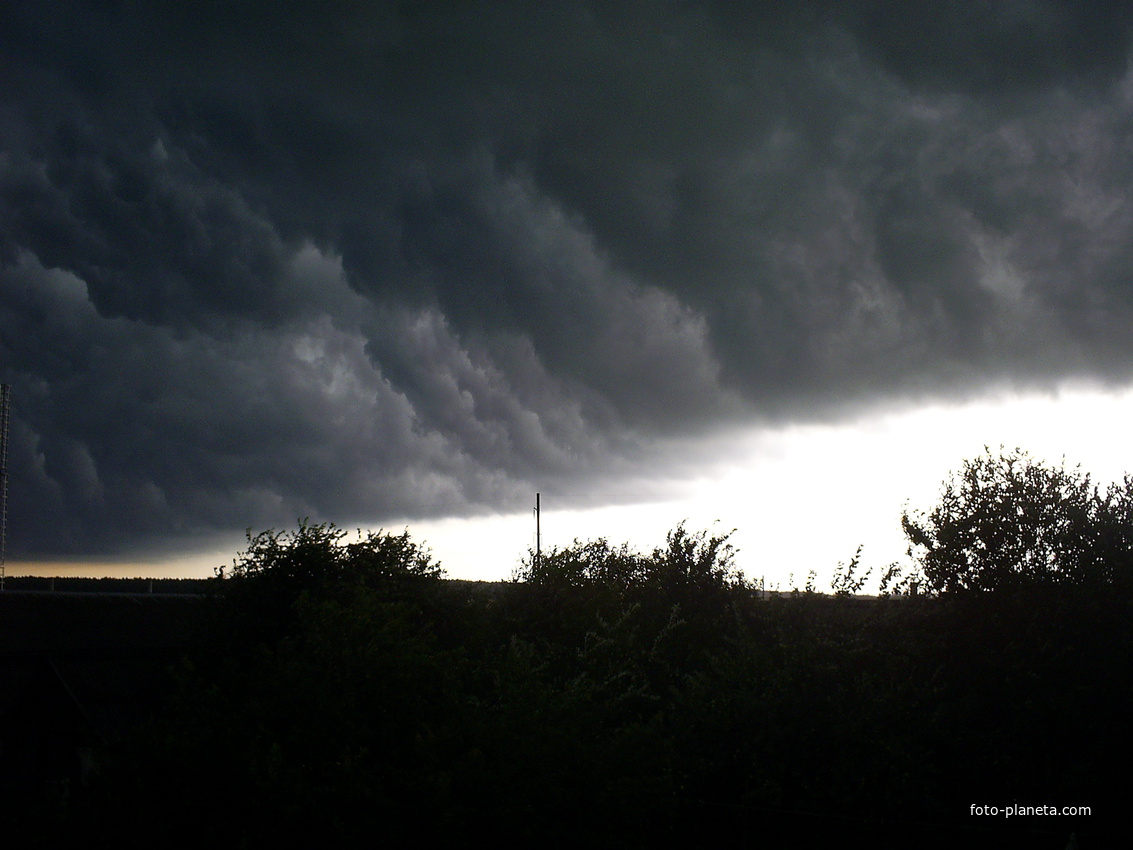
x: 371, y: 261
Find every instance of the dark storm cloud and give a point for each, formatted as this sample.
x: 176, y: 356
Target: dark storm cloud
x: 365, y: 261
x: 994, y: 48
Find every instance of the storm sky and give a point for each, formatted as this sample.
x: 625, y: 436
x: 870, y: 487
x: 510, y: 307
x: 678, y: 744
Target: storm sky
x: 359, y: 261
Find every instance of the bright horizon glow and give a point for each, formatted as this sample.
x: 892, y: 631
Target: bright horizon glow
x: 800, y: 498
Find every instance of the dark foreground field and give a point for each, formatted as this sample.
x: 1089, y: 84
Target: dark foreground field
x: 362, y: 698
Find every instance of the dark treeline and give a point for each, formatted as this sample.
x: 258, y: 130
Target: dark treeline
x: 85, y: 584
x: 612, y: 698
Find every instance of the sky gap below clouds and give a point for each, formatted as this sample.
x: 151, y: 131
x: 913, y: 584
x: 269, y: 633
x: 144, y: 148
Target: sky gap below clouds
x: 363, y: 261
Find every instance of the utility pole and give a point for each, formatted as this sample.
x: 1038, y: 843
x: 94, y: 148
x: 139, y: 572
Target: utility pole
x: 538, y: 541
x: 5, y: 402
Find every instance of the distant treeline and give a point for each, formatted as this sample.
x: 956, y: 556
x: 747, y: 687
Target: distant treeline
x: 617, y: 699
x: 84, y: 584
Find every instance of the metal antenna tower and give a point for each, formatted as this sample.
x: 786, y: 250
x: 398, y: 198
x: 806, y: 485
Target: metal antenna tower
x: 537, y: 535
x: 5, y: 402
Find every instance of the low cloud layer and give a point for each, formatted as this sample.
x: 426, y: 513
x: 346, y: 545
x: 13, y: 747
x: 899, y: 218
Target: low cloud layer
x: 373, y: 261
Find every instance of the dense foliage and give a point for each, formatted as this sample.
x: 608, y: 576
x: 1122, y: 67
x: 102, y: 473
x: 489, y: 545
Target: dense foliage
x: 611, y: 698
x: 1008, y: 521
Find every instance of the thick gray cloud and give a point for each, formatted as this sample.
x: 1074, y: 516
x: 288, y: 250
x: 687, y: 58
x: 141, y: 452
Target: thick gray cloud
x: 367, y: 261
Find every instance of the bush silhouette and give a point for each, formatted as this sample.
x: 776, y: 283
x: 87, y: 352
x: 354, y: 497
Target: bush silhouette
x: 613, y: 698
x: 1007, y: 520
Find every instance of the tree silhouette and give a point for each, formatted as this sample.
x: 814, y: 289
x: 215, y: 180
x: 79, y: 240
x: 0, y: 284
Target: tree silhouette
x: 1008, y: 520
x: 614, y: 698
